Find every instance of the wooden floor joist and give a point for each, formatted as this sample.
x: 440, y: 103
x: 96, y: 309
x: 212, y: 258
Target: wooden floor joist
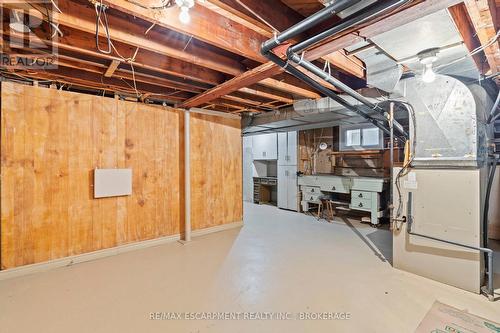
x: 267, y: 70
x: 485, y: 22
x: 217, y: 55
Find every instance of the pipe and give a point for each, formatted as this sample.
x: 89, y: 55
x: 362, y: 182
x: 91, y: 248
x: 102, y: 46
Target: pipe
x: 391, y: 147
x: 187, y: 177
x: 490, y: 291
x: 494, y: 113
x: 301, y: 76
x: 308, y: 23
x: 311, y: 21
x: 486, y: 211
x: 371, y: 12
x: 294, y: 57
x: 341, y: 86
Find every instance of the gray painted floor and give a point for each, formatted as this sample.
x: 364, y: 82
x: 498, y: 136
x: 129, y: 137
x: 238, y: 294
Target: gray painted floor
x: 278, y: 262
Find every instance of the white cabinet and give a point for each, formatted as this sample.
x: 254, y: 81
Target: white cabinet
x: 287, y: 171
x: 287, y: 187
x: 265, y: 147
x: 287, y: 148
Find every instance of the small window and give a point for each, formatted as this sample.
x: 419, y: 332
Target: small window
x: 371, y: 136
x: 353, y: 137
x: 360, y: 137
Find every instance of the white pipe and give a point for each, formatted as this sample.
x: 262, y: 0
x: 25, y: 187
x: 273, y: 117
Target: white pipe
x: 187, y: 177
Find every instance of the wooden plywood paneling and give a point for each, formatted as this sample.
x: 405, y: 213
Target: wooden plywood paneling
x: 51, y: 141
x: 216, y: 171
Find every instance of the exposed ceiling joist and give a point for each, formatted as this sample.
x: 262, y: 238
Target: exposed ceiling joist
x: 467, y: 31
x: 79, y: 32
x: 231, y: 11
x: 483, y: 19
x: 280, y: 17
x: 205, y: 25
x: 268, y: 69
x: 212, y: 28
x: 82, y: 43
x: 97, y: 81
x: 122, y: 30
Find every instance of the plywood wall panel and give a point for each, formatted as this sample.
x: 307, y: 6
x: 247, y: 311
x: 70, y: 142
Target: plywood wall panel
x: 80, y: 122
x: 51, y: 141
x: 216, y: 171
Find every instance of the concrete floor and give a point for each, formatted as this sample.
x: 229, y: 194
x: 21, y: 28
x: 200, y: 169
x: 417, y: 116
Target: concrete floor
x: 279, y: 262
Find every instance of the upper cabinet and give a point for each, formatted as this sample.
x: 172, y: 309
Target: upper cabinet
x: 287, y: 148
x: 265, y: 147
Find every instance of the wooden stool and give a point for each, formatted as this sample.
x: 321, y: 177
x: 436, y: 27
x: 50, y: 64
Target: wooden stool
x: 320, y: 209
x: 330, y: 210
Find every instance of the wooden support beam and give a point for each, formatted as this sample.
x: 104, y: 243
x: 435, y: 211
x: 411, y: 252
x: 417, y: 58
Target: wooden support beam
x: 112, y: 68
x: 482, y: 17
x: 231, y: 11
x: 282, y: 85
x: 466, y: 29
x: 267, y: 92
x: 248, y: 78
x: 272, y: 15
x: 306, y: 8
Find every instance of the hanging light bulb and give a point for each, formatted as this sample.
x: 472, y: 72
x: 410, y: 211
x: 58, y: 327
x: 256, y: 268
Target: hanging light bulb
x: 428, y: 76
x: 184, y: 16
x: 427, y: 59
x: 184, y: 5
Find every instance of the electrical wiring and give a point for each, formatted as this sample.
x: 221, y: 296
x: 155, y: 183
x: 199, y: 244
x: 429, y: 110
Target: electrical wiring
x: 167, y: 4
x: 55, y: 6
x: 6, y: 74
x: 472, y: 53
x: 406, y: 167
x: 111, y: 46
x: 54, y: 26
x: 100, y: 10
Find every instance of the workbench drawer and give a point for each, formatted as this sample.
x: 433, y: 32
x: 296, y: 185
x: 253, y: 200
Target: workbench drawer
x: 310, y: 189
x: 362, y: 195
x: 311, y: 197
x: 337, y: 185
x: 361, y: 204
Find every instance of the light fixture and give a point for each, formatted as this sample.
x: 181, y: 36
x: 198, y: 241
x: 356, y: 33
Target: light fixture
x: 17, y: 22
x: 185, y: 6
x: 427, y: 59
